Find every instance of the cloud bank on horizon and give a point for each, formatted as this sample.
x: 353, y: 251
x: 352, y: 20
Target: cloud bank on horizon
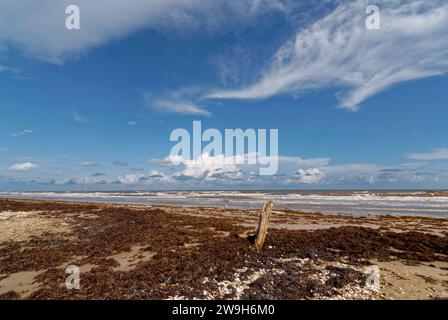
x: 293, y: 172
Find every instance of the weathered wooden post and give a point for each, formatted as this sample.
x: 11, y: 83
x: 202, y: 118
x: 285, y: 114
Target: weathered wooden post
x: 263, y: 225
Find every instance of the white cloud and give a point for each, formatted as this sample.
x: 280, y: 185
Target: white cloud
x: 8, y: 69
x: 207, y: 166
x: 309, y: 176
x: 178, y: 106
x: 23, y: 166
x: 298, y: 162
x: 338, y: 51
x: 182, y: 101
x: 133, y: 123
x: 437, y: 154
x: 78, y: 118
x: 166, y: 162
x: 373, y: 174
x: 363, y: 173
x: 22, y: 133
x: 130, y: 178
x: 3, y: 149
x: 293, y: 171
x: 155, y: 176
x: 38, y: 28
x: 238, y: 168
x: 219, y: 171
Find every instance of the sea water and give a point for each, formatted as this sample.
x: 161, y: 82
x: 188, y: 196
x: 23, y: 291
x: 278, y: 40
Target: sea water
x: 326, y: 202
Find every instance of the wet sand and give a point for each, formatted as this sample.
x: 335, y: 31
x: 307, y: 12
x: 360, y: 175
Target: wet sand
x: 164, y: 252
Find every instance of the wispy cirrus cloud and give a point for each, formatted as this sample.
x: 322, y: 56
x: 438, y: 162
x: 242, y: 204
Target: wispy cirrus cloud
x: 22, y: 133
x: 80, y: 119
x: 436, y: 154
x: 183, y: 101
x: 338, y: 51
x: 8, y: 69
x: 40, y: 32
x: 184, y: 107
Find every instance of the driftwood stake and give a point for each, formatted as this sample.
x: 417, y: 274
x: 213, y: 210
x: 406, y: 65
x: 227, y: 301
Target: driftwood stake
x: 263, y: 225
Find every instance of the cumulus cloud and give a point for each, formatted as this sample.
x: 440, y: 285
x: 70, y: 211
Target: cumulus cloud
x: 361, y: 175
x: 338, y: 51
x: 309, y: 176
x: 352, y: 173
x: 207, y: 165
x: 153, y: 178
x: 218, y: 169
x: 221, y: 171
x: 131, y: 178
x: 238, y: 169
x: 156, y: 176
x: 23, y: 166
x: 437, y: 154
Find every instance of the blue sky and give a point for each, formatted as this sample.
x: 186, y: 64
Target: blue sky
x: 93, y: 109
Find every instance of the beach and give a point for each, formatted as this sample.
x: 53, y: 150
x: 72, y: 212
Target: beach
x: 150, y: 251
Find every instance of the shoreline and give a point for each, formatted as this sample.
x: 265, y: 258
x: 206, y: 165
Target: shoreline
x: 165, y: 252
x: 429, y: 204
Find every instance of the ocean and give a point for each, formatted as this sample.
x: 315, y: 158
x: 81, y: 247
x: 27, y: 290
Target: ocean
x: 400, y: 203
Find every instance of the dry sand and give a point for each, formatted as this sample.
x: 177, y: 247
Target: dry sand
x: 163, y: 252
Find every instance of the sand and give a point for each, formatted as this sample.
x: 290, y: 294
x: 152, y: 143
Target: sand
x: 165, y: 252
